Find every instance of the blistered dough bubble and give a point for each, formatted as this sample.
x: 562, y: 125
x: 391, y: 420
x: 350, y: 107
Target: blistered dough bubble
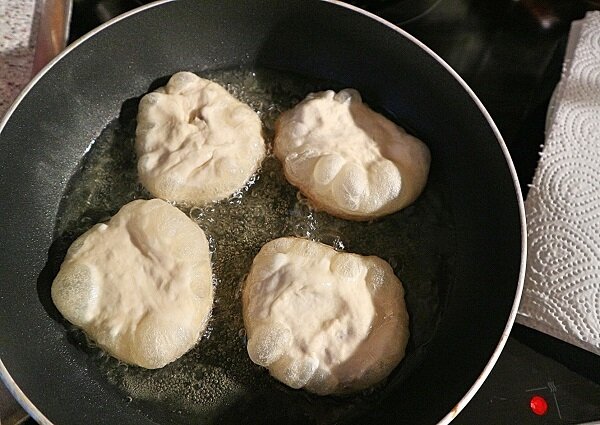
x: 326, y: 321
x: 129, y: 286
x: 268, y: 343
x: 195, y: 142
x: 349, y: 160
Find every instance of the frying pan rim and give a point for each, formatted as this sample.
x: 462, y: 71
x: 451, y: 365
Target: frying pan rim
x: 39, y: 417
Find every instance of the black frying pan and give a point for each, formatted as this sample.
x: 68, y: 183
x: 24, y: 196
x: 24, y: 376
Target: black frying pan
x: 55, y: 374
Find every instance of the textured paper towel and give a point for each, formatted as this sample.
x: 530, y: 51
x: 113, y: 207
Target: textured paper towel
x: 562, y: 284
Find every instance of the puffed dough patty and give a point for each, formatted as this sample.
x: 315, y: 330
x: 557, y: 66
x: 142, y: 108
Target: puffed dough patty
x: 327, y: 321
x: 140, y: 286
x: 195, y: 142
x: 349, y: 160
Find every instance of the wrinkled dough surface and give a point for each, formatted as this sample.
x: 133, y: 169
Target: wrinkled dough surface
x: 140, y: 285
x: 349, y: 160
x: 195, y: 142
x: 326, y: 321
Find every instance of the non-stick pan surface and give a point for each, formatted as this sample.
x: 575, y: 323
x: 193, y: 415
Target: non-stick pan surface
x: 47, y: 133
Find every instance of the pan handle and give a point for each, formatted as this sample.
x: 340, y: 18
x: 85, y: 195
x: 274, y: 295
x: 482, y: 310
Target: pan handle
x: 53, y: 32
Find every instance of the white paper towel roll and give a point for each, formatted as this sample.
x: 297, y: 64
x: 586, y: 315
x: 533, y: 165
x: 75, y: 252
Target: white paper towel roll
x: 562, y: 284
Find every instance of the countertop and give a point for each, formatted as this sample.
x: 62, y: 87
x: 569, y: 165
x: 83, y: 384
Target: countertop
x: 18, y: 23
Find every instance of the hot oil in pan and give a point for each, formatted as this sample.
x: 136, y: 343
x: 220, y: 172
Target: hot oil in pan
x: 216, y: 381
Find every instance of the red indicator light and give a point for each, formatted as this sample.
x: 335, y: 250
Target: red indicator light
x: 538, y: 405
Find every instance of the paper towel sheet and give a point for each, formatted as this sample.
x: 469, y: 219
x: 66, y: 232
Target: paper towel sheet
x: 562, y: 284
